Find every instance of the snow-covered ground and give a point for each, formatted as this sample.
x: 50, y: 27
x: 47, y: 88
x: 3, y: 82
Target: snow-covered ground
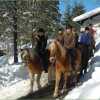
x: 11, y: 73
x: 14, y: 81
x: 20, y: 89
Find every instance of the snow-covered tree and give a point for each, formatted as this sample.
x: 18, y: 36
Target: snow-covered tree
x: 19, y: 18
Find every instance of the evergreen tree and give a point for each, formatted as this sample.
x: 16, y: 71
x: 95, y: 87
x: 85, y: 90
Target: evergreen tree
x: 15, y: 31
x: 19, y: 18
x: 9, y: 10
x: 72, y: 11
x: 78, y: 9
x: 47, y: 14
x: 67, y: 15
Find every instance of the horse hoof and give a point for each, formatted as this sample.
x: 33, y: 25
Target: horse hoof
x: 79, y: 83
x: 55, y: 95
x: 30, y: 91
x: 39, y: 87
x: 63, y: 91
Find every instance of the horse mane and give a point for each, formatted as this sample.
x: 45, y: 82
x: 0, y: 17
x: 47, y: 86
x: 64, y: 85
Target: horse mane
x: 27, y: 51
x: 60, y: 50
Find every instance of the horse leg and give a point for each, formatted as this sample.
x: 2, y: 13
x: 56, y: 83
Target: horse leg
x: 51, y: 74
x: 31, y: 82
x: 65, y: 82
x: 77, y: 74
x: 82, y: 67
x: 78, y: 66
x: 38, y: 80
x: 58, y: 77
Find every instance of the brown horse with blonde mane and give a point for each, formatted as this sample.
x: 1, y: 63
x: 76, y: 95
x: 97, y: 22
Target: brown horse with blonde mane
x: 60, y: 57
x: 34, y: 66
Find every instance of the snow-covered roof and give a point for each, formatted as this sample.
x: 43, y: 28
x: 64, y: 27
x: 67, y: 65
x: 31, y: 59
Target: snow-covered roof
x: 87, y: 15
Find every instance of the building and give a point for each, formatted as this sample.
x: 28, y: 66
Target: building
x: 91, y: 17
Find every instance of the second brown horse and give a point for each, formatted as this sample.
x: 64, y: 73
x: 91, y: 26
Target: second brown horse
x: 60, y: 57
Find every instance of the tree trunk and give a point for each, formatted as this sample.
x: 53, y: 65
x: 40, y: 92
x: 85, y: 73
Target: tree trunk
x: 15, y: 33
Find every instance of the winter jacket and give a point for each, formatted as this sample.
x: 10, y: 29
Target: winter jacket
x: 41, y: 43
x: 69, y: 40
x: 85, y: 38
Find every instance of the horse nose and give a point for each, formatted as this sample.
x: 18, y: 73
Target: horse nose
x: 52, y: 59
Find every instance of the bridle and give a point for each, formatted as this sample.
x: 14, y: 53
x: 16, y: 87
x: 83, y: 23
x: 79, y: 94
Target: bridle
x: 52, y: 56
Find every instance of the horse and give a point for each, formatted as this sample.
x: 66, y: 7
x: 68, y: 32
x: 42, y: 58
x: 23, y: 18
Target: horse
x: 85, y: 55
x: 34, y: 67
x: 60, y: 58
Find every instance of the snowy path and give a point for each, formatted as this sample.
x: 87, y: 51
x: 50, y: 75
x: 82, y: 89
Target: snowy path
x: 15, y: 91
x: 20, y: 89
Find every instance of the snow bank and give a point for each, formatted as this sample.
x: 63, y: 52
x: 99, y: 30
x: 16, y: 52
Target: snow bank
x: 11, y: 73
x: 13, y: 92
x: 5, y: 14
x: 21, y: 88
x: 14, y: 79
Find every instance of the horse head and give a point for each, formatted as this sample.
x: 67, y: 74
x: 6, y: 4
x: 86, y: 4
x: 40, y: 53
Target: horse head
x: 25, y: 55
x: 57, y: 51
x: 52, y: 51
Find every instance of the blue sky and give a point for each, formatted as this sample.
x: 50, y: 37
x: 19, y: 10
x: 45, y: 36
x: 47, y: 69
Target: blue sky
x: 89, y: 4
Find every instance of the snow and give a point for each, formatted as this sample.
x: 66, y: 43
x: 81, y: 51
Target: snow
x: 88, y: 90
x: 5, y: 14
x: 3, y: 60
x: 27, y: 13
x: 87, y: 14
x: 11, y: 73
x: 20, y: 89
x: 15, y: 91
x: 14, y: 79
x: 8, y: 29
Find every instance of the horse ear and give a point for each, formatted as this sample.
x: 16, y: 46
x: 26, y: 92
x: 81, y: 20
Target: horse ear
x: 27, y: 49
x: 55, y: 41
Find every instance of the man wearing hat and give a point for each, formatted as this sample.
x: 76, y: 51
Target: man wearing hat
x: 69, y: 44
x: 39, y: 46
